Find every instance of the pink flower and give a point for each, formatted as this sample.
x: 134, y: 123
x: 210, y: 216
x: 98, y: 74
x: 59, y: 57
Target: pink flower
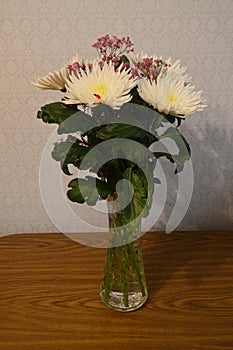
x: 112, y: 49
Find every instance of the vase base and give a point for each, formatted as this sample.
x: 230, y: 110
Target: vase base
x: 116, y: 301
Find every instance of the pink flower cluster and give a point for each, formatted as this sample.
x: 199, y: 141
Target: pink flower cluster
x: 112, y: 49
x: 149, y: 68
x: 79, y: 67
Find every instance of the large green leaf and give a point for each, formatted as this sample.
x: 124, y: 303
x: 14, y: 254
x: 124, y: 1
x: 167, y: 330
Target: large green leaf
x: 68, y: 152
x: 89, y: 190
x: 140, y: 116
x: 126, y: 131
x: 74, y: 194
x: 142, y: 196
x: 78, y: 122
x: 56, y: 112
x: 183, y: 147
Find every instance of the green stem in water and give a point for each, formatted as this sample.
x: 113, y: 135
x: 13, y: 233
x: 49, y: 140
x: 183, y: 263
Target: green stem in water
x: 124, y: 267
x: 125, y: 285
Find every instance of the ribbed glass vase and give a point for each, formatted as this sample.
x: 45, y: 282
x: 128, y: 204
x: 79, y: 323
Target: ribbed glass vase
x: 123, y: 286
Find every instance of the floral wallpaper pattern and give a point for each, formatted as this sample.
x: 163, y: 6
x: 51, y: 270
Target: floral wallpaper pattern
x: 40, y: 36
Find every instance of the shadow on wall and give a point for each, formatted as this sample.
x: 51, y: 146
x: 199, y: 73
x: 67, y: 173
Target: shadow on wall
x: 212, y: 201
x: 211, y: 206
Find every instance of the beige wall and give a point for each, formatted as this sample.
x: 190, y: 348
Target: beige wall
x: 40, y: 36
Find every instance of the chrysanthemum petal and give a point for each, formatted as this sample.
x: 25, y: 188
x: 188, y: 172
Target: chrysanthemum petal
x: 100, y: 84
x: 53, y: 80
x: 171, y: 95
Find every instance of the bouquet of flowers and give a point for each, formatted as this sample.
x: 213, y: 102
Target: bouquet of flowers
x: 111, y: 110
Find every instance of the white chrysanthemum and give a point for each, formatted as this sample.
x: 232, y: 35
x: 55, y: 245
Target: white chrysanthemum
x: 179, y: 71
x: 100, y: 85
x: 53, y: 80
x: 139, y: 57
x: 175, y: 67
x: 170, y: 95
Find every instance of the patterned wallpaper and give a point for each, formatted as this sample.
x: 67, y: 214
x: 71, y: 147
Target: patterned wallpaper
x: 40, y: 36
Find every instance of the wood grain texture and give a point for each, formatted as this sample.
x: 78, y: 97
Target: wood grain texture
x: 49, y: 295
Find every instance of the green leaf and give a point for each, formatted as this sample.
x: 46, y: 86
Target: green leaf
x: 125, y: 131
x: 56, y: 112
x: 142, y: 196
x: 69, y: 153
x: 183, y: 147
x: 140, y: 116
x: 124, y: 58
x: 164, y: 154
x: 104, y: 114
x: 169, y: 118
x: 92, y: 189
x: 74, y: 194
x: 87, y: 192
x: 104, y: 189
x: 118, y: 130
x: 137, y: 99
x: 78, y: 122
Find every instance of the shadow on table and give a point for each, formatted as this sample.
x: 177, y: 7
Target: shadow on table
x: 187, y: 257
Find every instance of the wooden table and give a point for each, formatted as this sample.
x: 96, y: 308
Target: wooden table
x: 49, y: 294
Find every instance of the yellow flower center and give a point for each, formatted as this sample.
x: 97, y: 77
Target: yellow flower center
x: 100, y: 90
x: 172, y: 97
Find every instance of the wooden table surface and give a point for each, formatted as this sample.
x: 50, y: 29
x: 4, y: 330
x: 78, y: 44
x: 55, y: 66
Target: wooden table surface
x: 49, y: 294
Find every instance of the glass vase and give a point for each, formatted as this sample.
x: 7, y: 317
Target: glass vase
x: 123, y: 286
